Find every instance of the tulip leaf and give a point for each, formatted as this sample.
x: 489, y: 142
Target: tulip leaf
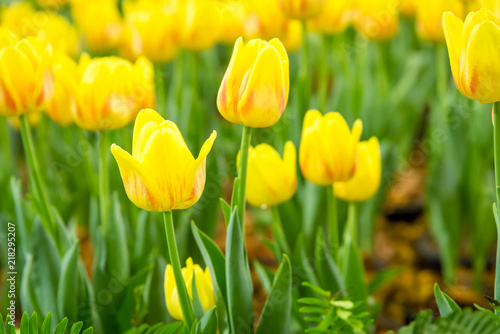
x: 239, y: 283
x: 47, y: 324
x: 354, y: 274
x: 265, y: 276
x: 75, y: 329
x: 275, y: 317
x: 66, y: 301
x: 24, y: 323
x: 445, y: 304
x: 235, y: 197
x: 303, y: 267
x: 328, y: 271
x: 226, y: 210
x: 208, y: 323
x: 118, y: 258
x: 9, y: 329
x: 199, y: 312
x: 61, y: 327
x: 33, y: 324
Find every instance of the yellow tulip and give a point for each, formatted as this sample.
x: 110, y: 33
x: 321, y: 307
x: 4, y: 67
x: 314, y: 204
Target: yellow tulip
x: 150, y: 29
x: 408, y: 8
x: 429, y: 17
x: 366, y: 180
x: 26, y: 78
x: 254, y: 90
x: 198, y: 24
x: 204, y: 288
x: 333, y: 19
x: 493, y: 5
x: 231, y: 23
x: 474, y: 54
x: 21, y: 18
x: 62, y: 106
x: 301, y: 9
x: 7, y: 37
x: 328, y: 148
x: 161, y: 174
x: 112, y: 91
x: 377, y: 20
x: 293, y: 35
x: 271, y: 180
x: 60, y: 34
x: 54, y: 4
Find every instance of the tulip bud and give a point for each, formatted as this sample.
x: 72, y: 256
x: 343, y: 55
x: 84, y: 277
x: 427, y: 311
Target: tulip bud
x: 26, y: 78
x: 328, y: 149
x: 271, y: 180
x: 204, y: 288
x: 161, y: 174
x: 254, y: 90
x: 474, y: 53
x: 301, y: 9
x: 366, y: 180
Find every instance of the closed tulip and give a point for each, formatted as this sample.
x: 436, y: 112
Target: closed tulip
x: 328, y: 148
x: 302, y: 9
x: 333, y: 19
x: 204, y: 288
x: 112, y: 91
x: 231, y: 22
x: 62, y: 35
x: 26, y: 78
x: 161, y: 174
x: 198, y: 24
x: 254, y: 90
x: 429, y: 17
x: 366, y: 180
x: 271, y: 180
x: 474, y: 54
x: 377, y: 20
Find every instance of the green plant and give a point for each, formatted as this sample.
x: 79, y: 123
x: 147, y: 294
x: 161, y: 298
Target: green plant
x: 30, y: 325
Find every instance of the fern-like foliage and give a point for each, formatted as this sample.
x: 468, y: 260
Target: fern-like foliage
x: 329, y: 314
x: 465, y: 322
x: 29, y: 325
x: 159, y: 328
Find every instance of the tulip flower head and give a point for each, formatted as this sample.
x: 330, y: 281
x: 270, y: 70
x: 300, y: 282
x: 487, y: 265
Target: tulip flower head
x: 7, y: 37
x: 271, y: 180
x: 333, y: 19
x: 161, y: 174
x: 429, y: 17
x: 26, y: 78
x: 366, y: 180
x: 204, y: 288
x: 474, y: 54
x: 199, y: 24
x: 328, y: 148
x: 377, y: 20
x: 112, y: 91
x: 302, y: 9
x: 254, y: 90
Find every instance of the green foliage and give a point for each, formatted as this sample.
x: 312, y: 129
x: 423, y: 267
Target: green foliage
x: 331, y: 314
x: 29, y: 326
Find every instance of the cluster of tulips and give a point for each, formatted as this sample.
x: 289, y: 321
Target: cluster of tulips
x: 102, y: 95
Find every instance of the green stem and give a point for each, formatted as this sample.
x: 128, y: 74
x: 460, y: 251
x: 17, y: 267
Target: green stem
x: 351, y: 231
x: 242, y: 174
x: 34, y: 171
x: 103, y: 179
x: 333, y: 221
x: 323, y: 74
x: 184, y: 300
x: 441, y: 75
x: 279, y: 234
x: 496, y: 139
x: 303, y: 91
x: 160, y: 89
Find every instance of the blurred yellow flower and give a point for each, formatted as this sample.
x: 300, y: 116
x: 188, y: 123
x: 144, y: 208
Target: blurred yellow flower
x: 408, y: 8
x: 293, y: 35
x: 429, y: 17
x: 112, y: 91
x: 150, y: 29
x: 60, y: 34
x: 328, y: 148
x: 377, y: 20
x: 474, y: 54
x: 198, y: 24
x: 366, y: 180
x: 7, y: 37
x: 254, y: 90
x: 161, y: 174
x: 204, y: 288
x: 301, y: 9
x: 34, y: 119
x: 333, y: 19
x: 26, y: 78
x: 271, y: 180
x: 54, y: 4
x: 21, y: 18
x: 232, y: 14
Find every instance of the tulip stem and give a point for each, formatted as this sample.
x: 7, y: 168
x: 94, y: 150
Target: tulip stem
x: 496, y: 147
x: 333, y: 222
x: 303, y: 77
x: 103, y: 179
x: 34, y: 171
x: 242, y: 174
x: 184, y: 300
x: 281, y: 242
x: 351, y: 230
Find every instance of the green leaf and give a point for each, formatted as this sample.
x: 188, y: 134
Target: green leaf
x: 67, y: 287
x: 265, y: 276
x: 2, y: 329
x: 33, y: 324
x: 9, y: 329
x: 226, y: 210
x: 275, y: 317
x: 118, y: 259
x: 239, y: 282
x: 47, y: 324
x: 445, y: 304
x: 317, y: 289
x: 199, y: 312
x: 25, y: 323
x: 75, y: 329
x: 89, y: 330
x: 354, y: 273
x: 61, y: 327
x: 208, y: 323
x: 234, y: 198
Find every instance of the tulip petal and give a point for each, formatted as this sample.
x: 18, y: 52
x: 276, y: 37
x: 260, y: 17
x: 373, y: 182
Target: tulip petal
x: 144, y: 116
x: 453, y: 32
x: 284, y: 62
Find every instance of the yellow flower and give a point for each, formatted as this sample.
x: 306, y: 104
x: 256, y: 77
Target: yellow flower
x: 204, y: 288
x: 293, y: 35
x: 429, y: 17
x: 26, y: 78
x: 20, y: 18
x: 271, y: 180
x: 474, y: 54
x: 34, y: 119
x: 199, y: 24
x: 333, y: 19
x: 254, y: 90
x: 366, y: 180
x: 493, y: 5
x: 54, y: 4
x: 161, y: 174
x: 232, y: 14
x: 66, y: 74
x: 408, y: 8
x: 328, y: 149
x: 112, y: 91
x: 301, y: 9
x: 7, y: 37
x: 377, y: 20
x: 60, y: 34
x: 150, y: 29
